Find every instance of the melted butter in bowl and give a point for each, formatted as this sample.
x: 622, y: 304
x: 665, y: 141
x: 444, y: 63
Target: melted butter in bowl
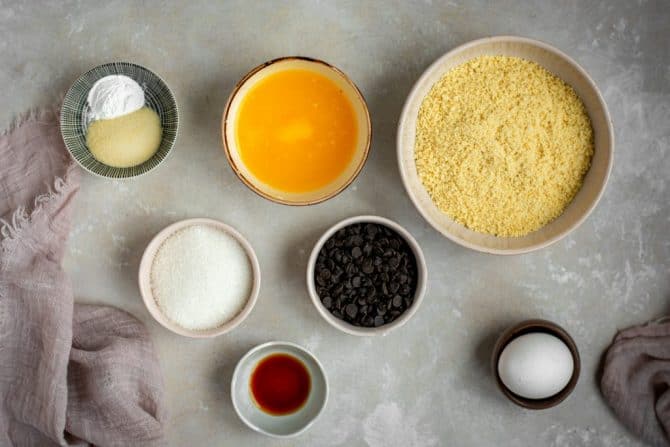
x: 296, y: 131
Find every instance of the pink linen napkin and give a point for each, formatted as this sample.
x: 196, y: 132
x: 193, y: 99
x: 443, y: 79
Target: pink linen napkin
x: 69, y: 374
x: 636, y: 380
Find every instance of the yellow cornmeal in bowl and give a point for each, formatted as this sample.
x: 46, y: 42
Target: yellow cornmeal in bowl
x: 502, y: 145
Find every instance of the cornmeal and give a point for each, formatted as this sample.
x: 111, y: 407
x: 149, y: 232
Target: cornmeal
x: 502, y: 145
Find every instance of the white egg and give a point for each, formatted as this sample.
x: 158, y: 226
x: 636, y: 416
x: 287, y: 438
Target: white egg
x: 535, y: 365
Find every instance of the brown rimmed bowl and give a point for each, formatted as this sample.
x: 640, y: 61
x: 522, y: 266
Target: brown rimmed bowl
x: 534, y: 326
x: 357, y: 101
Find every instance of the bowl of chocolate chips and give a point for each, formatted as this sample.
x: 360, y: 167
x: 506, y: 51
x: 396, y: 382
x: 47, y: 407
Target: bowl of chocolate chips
x: 366, y: 275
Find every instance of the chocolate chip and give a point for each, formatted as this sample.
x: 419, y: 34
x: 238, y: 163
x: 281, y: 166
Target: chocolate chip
x: 356, y: 252
x: 352, y: 310
x: 394, y: 262
x: 356, y: 240
x: 368, y: 267
x: 393, y: 287
x: 371, y: 230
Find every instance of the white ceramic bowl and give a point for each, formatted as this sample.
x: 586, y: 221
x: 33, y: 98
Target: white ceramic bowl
x: 145, y: 278
x: 419, y: 293
x: 595, y: 180
x: 350, y: 90
x: 286, y: 425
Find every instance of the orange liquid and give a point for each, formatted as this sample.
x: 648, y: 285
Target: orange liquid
x: 296, y: 130
x: 280, y: 384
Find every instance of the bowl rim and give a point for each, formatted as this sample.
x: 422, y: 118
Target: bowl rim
x: 275, y: 346
x: 419, y: 293
x: 172, y: 144
x: 536, y: 326
x: 411, y: 99
x: 144, y: 278
x: 238, y: 171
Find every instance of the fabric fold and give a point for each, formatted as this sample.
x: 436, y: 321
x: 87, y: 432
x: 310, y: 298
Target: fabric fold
x: 69, y: 374
x: 636, y: 380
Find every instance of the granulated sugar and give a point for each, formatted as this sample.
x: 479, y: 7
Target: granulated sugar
x: 201, y: 277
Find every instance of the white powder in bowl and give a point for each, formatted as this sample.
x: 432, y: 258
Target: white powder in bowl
x: 201, y: 277
x: 114, y: 96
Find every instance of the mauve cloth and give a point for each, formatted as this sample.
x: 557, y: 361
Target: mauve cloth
x: 636, y: 380
x: 69, y: 374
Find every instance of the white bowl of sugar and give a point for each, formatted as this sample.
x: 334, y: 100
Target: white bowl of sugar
x: 199, y: 278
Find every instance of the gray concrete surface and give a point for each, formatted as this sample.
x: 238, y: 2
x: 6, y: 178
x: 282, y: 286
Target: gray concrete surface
x: 427, y: 384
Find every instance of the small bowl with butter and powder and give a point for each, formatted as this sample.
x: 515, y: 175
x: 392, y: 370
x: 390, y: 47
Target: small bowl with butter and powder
x: 505, y: 145
x: 119, y: 120
x: 199, y: 278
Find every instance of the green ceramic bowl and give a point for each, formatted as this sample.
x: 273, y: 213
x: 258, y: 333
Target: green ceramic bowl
x: 73, y: 122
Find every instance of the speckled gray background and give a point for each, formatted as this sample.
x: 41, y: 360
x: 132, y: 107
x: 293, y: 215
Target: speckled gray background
x: 427, y: 384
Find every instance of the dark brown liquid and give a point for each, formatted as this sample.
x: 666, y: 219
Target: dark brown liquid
x: 280, y: 384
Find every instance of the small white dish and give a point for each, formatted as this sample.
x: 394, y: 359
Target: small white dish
x: 561, y: 65
x: 145, y: 278
x: 283, y: 426
x: 419, y: 293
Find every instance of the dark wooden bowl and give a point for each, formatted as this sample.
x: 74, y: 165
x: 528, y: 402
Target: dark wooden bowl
x: 527, y: 327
